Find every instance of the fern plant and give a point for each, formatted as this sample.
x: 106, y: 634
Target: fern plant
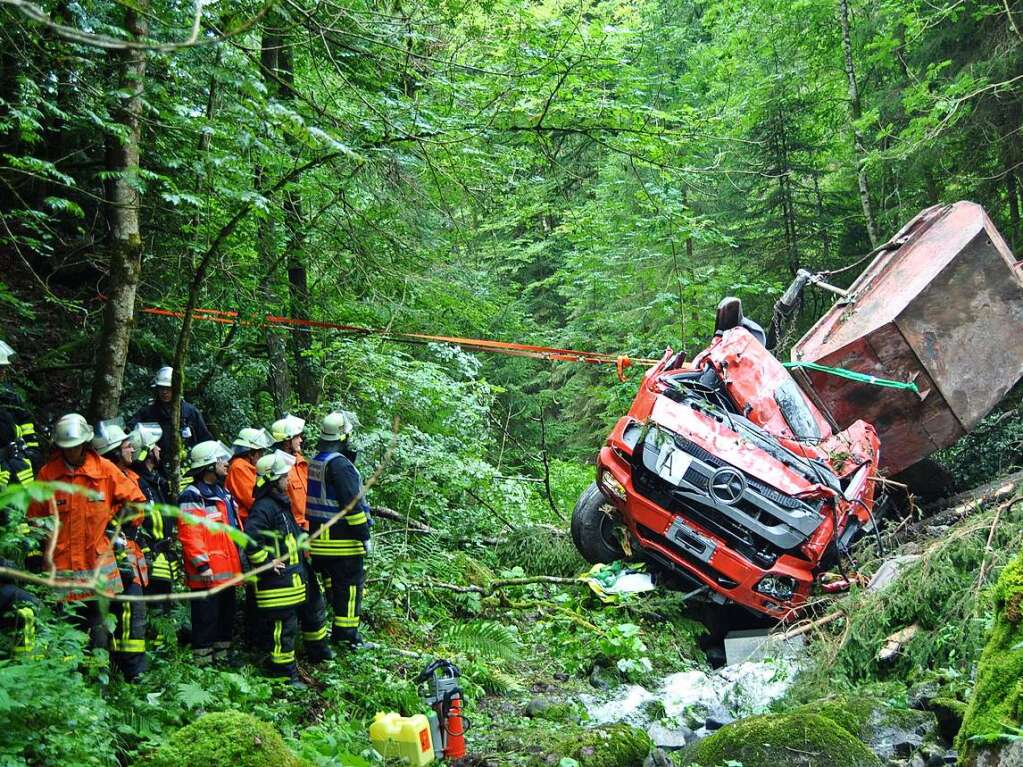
x: 482, y: 639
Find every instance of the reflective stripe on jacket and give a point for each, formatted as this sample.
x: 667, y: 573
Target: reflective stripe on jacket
x: 274, y: 534
x: 83, y: 545
x: 334, y: 483
x: 157, y: 535
x: 205, y: 544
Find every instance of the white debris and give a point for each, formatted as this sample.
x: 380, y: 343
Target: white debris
x: 626, y: 706
x: 690, y: 697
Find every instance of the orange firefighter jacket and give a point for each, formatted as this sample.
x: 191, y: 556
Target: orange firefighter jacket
x: 241, y: 484
x: 298, y: 488
x: 83, y: 544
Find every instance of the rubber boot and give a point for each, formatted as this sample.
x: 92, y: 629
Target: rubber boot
x: 318, y: 652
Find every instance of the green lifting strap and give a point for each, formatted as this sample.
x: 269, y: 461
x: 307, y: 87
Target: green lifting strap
x: 852, y: 375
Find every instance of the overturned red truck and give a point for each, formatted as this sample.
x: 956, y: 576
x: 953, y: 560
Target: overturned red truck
x: 743, y: 483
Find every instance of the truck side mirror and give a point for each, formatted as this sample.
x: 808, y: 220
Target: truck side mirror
x: 729, y: 314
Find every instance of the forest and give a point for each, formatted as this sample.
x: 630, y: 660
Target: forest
x: 380, y: 178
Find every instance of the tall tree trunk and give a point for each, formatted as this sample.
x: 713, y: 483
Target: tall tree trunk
x: 854, y: 115
x: 123, y: 203
x: 277, y: 60
x: 307, y: 377
x: 1012, y: 188
x: 278, y: 375
x: 822, y: 224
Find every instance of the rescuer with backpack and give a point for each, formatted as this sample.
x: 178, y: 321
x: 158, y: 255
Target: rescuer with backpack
x: 339, y: 520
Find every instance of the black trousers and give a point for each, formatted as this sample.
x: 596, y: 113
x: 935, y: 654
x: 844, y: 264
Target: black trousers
x: 282, y: 628
x: 17, y: 606
x: 212, y: 625
x: 344, y: 578
x: 279, y: 630
x: 158, y: 611
x: 128, y: 644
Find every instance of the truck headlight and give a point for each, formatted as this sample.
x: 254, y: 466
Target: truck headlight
x: 778, y: 586
x: 612, y: 485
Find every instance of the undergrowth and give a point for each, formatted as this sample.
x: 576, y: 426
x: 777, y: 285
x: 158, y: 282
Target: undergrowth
x: 942, y: 593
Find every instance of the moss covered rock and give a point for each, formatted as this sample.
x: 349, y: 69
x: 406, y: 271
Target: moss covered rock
x: 996, y: 707
x: 225, y: 739
x: 611, y: 745
x: 794, y: 740
x: 887, y: 730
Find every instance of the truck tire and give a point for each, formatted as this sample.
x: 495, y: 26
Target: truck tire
x: 593, y: 529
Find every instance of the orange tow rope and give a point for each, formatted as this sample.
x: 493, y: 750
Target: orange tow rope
x: 620, y: 361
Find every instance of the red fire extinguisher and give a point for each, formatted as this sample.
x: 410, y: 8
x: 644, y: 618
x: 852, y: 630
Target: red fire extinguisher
x: 442, y: 693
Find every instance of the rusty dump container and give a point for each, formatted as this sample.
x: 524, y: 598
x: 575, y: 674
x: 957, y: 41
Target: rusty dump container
x: 941, y: 306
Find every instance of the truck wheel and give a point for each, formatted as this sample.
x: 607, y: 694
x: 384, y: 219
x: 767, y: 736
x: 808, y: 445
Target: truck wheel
x: 593, y: 529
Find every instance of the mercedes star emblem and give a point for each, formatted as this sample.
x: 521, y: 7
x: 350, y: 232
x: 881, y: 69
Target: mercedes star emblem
x: 727, y: 485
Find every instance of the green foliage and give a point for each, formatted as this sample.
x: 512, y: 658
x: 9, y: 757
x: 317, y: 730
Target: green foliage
x: 226, y: 739
x: 612, y: 745
x: 482, y: 639
x: 996, y: 707
x: 990, y: 450
x: 797, y: 739
x: 540, y: 550
x: 53, y: 715
x: 939, y: 593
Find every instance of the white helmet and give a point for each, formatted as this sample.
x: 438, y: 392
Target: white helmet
x: 71, y: 430
x: 6, y: 352
x: 336, y: 426
x: 273, y: 466
x: 163, y: 378
x: 287, y: 428
x: 206, y: 454
x: 253, y: 439
x: 110, y: 435
x: 143, y: 437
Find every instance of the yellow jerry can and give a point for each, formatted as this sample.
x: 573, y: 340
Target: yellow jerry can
x: 405, y: 737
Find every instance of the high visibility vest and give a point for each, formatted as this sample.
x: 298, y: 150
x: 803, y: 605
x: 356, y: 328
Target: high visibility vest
x: 322, y: 505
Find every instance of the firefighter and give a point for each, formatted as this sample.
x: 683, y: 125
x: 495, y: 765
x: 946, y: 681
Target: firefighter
x: 17, y: 606
x: 193, y: 427
x: 210, y: 555
x: 335, y: 502
x: 19, y: 446
x: 158, y: 534
x: 83, y: 550
x: 287, y: 434
x: 249, y: 447
x: 281, y: 592
x: 158, y: 528
x: 21, y: 606
x: 128, y: 646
